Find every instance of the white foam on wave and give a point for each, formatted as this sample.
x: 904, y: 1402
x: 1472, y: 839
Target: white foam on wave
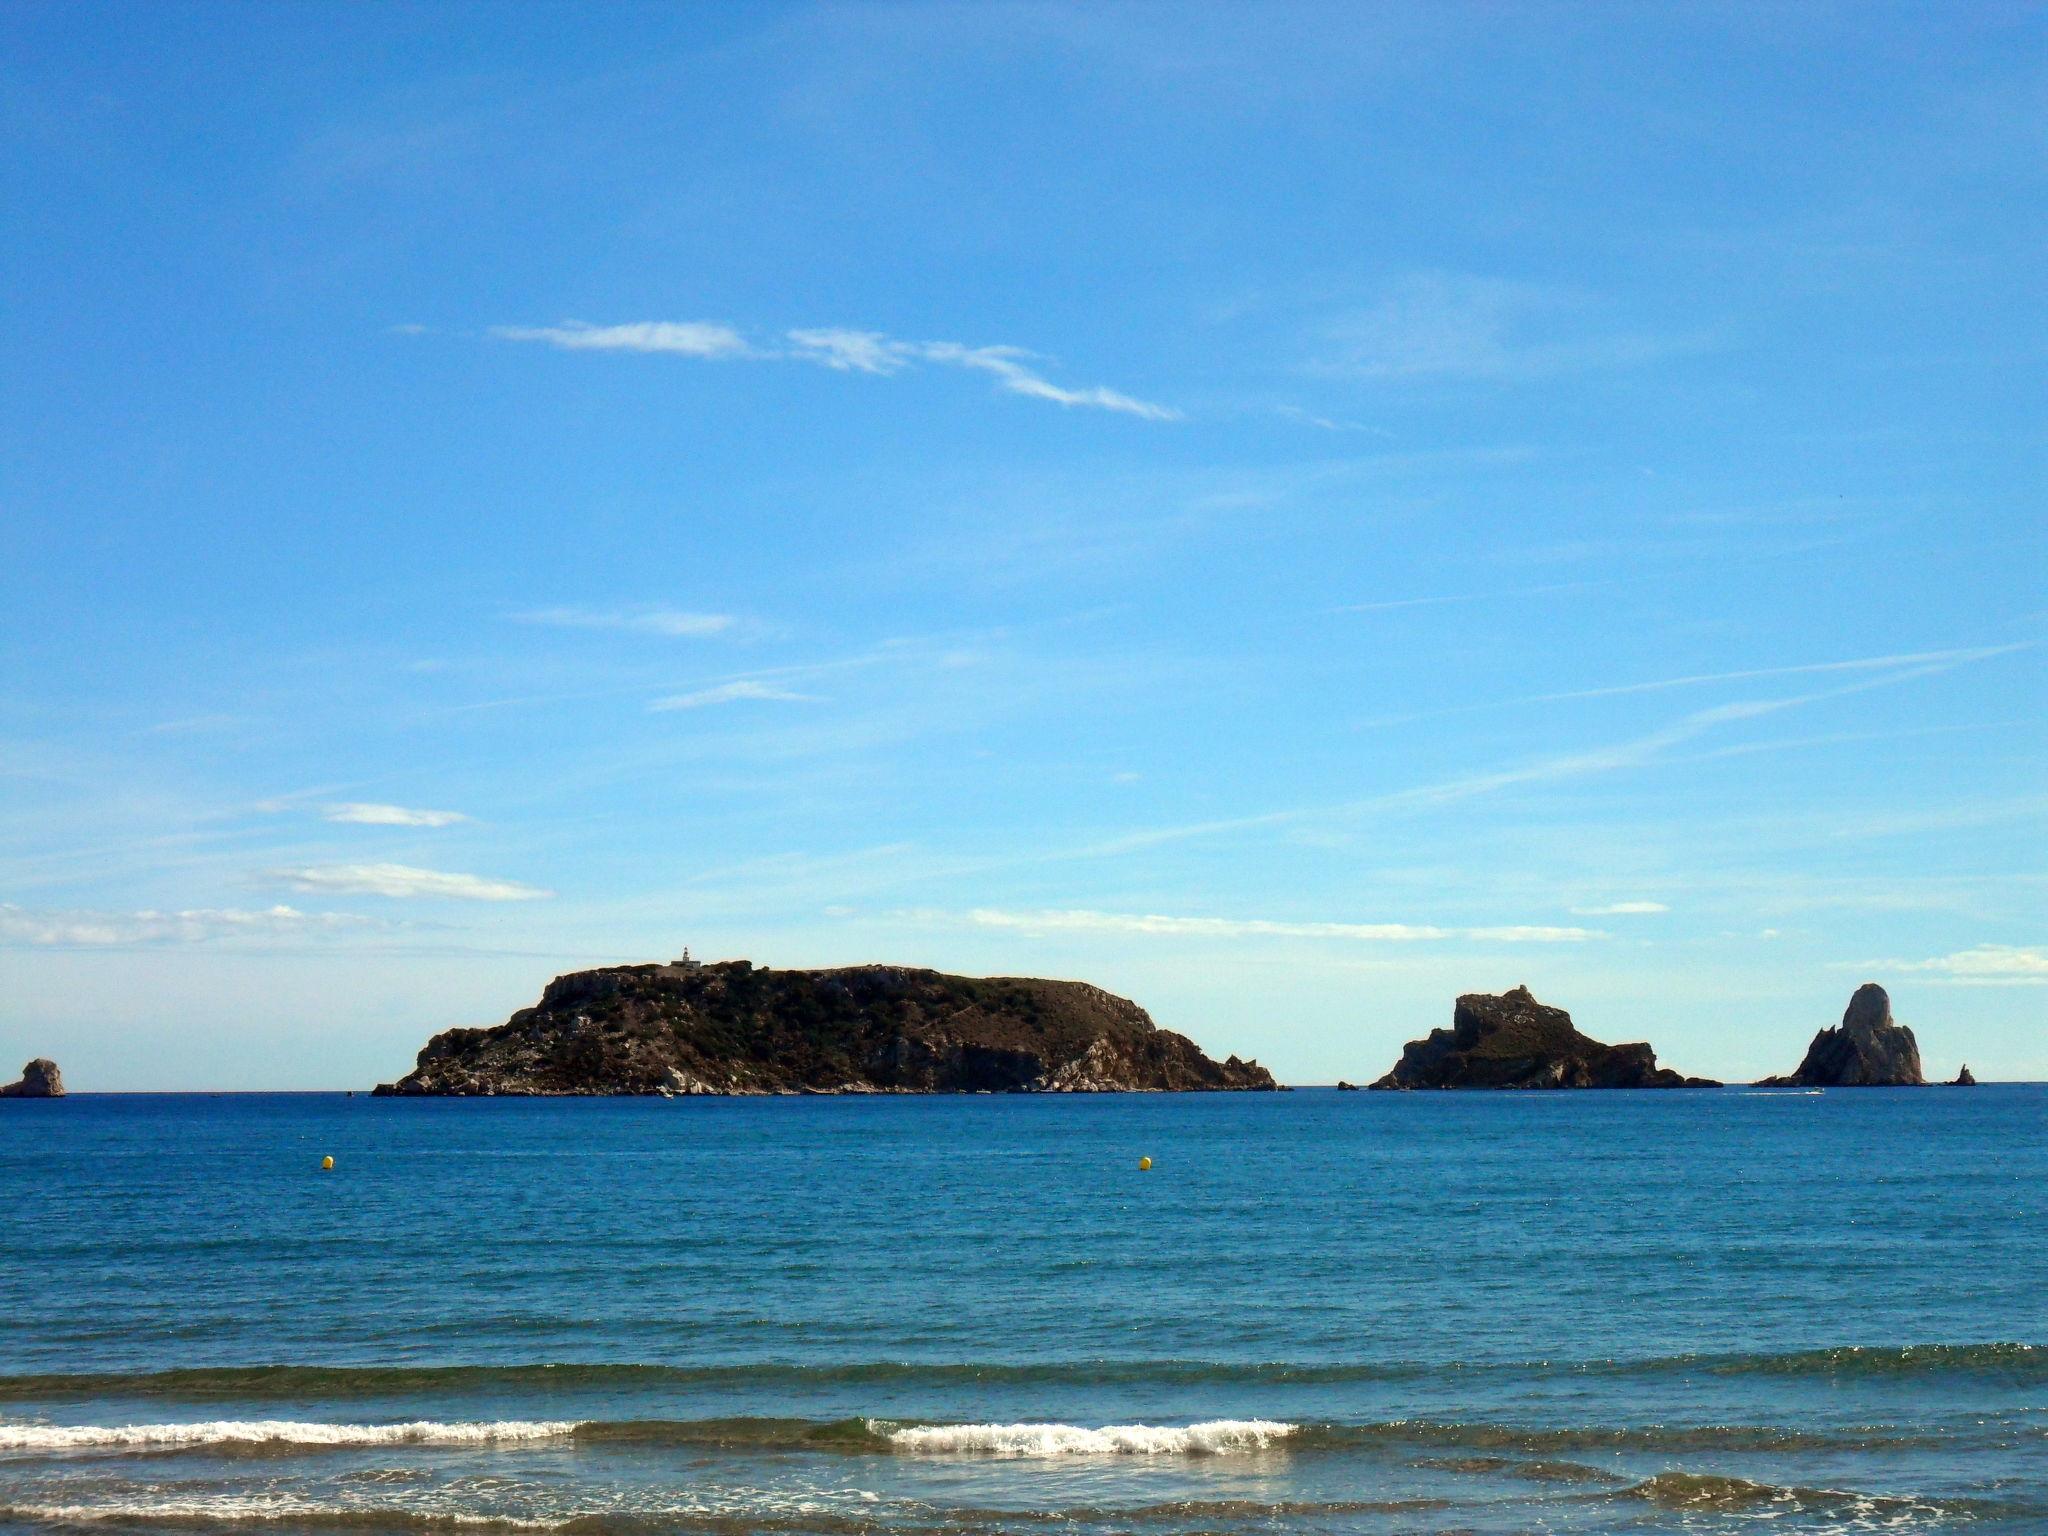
x: 1213, y: 1438
x: 257, y: 1509
x: 75, y: 1437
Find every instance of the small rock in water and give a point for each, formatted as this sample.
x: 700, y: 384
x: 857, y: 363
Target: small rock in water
x: 40, y: 1079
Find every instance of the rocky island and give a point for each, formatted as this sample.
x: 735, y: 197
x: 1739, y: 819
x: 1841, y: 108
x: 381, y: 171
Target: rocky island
x: 1513, y: 1041
x: 734, y: 1028
x: 40, y: 1079
x: 1866, y: 1050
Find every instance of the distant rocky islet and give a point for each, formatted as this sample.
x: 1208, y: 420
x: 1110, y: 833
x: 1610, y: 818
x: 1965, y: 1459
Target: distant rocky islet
x: 1513, y: 1041
x: 1866, y: 1050
x: 732, y: 1028
x: 40, y: 1079
x: 736, y: 1029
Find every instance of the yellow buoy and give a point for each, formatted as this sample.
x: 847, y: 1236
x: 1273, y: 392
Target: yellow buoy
x: 1144, y: 1165
x: 326, y: 1162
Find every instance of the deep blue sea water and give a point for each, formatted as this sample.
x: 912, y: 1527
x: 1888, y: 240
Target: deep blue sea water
x: 1318, y: 1312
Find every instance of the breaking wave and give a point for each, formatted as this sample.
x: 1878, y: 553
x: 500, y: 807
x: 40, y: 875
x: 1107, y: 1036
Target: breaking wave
x: 1685, y: 1495
x: 1013, y: 1440
x: 278, y: 1432
x: 262, y: 1510
x: 1847, y: 1511
x: 1213, y: 1438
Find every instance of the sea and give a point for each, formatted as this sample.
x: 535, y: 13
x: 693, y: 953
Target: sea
x: 1320, y: 1312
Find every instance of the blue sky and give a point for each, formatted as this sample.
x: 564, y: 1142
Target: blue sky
x: 1289, y: 513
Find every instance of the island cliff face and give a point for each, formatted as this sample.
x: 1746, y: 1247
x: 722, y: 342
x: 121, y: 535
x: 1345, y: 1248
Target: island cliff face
x: 1513, y: 1041
x: 40, y: 1079
x: 734, y: 1029
x: 1866, y: 1050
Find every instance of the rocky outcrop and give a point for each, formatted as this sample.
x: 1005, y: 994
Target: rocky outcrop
x: 1513, y: 1041
x: 40, y: 1079
x: 1866, y: 1050
x: 1344, y: 1087
x: 688, y: 1029
x: 1963, y: 1078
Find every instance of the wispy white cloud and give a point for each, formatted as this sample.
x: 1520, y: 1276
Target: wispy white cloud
x: 1153, y: 925
x: 20, y: 926
x: 1532, y: 934
x: 853, y: 351
x: 1456, y: 326
x: 1391, y: 604
x: 1621, y: 909
x: 842, y: 349
x: 671, y: 622
x: 1657, y: 745
x: 364, y: 814
x: 1985, y: 965
x: 685, y: 338
x: 1634, y: 752
x: 734, y: 693
x: 1007, y: 364
x: 1856, y: 664
x: 1327, y: 423
x: 403, y: 881
x: 192, y: 725
x: 1950, y: 817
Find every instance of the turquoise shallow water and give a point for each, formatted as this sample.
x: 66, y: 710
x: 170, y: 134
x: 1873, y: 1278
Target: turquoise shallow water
x: 1319, y: 1312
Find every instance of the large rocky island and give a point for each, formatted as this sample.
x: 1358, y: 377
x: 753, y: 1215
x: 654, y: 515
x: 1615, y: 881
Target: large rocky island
x: 734, y: 1028
x: 1866, y: 1050
x: 1513, y: 1041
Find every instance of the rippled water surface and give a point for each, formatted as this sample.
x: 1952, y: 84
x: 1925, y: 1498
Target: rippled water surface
x: 1318, y: 1312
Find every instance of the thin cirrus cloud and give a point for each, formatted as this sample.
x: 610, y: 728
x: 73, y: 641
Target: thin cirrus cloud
x: 673, y: 623
x: 1984, y: 965
x: 21, y: 926
x: 740, y: 692
x: 1152, y: 925
x: 1326, y: 423
x: 1449, y: 325
x: 1014, y: 369
x: 364, y: 814
x: 1622, y: 909
x: 1912, y: 659
x: 1636, y: 752
x: 403, y: 881
x: 685, y: 338
x: 1394, y: 604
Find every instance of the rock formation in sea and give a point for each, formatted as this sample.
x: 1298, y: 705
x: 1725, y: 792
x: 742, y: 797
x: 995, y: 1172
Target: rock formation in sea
x: 1513, y: 1041
x: 733, y: 1028
x: 40, y: 1079
x: 1866, y: 1050
x: 1963, y: 1078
